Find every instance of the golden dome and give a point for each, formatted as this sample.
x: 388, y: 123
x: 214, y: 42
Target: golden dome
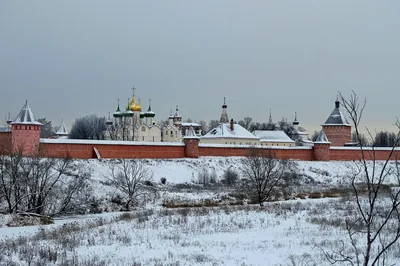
x: 134, y: 106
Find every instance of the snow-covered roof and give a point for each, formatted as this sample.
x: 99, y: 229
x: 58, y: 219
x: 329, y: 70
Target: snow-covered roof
x: 147, y: 126
x: 322, y: 138
x: 5, y: 129
x: 26, y: 116
x: 110, y: 142
x: 336, y: 118
x: 224, y: 131
x: 62, y: 129
x: 190, y: 124
x: 171, y: 127
x: 272, y: 136
x: 302, y: 133
x: 220, y: 145
x: 191, y: 134
x: 357, y: 148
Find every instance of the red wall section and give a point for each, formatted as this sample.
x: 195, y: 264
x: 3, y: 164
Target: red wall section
x: 5, y: 142
x: 86, y: 151
x: 355, y: 154
x: 292, y: 153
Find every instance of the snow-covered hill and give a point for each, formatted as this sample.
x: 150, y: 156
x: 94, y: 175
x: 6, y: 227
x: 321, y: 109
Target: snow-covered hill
x: 186, y: 170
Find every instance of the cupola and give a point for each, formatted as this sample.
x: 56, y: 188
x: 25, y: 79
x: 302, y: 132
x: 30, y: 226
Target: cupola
x: 134, y: 106
x: 118, y: 112
x: 128, y: 111
x: 149, y: 112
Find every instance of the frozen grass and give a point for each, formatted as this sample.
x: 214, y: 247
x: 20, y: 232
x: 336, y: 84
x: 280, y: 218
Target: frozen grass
x: 289, y: 233
x: 286, y: 233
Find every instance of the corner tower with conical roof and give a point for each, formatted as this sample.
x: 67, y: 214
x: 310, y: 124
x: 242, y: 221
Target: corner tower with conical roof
x: 25, y: 132
x: 62, y: 131
x: 224, y: 116
x: 322, y: 147
x: 336, y: 127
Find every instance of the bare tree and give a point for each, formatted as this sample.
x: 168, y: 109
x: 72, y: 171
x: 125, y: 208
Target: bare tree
x: 163, y: 123
x: 9, y: 180
x: 315, y: 135
x: 262, y: 172
x: 246, y: 122
x: 360, y: 139
x: 376, y: 227
x: 130, y: 178
x: 255, y: 126
x: 384, y: 139
x: 88, y: 127
x: 204, y: 127
x: 203, y: 176
x: 271, y: 126
x: 46, y: 130
x: 230, y: 177
x: 40, y: 185
x: 213, y: 124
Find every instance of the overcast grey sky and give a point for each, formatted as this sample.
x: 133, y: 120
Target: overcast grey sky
x: 72, y: 58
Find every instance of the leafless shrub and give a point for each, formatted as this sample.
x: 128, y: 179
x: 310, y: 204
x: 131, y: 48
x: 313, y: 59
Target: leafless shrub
x: 202, y: 211
x: 127, y: 216
x: 335, y: 222
x: 230, y: 177
x: 41, y: 185
x: 315, y: 195
x: 130, y: 177
x: 183, y: 212
x: 300, y: 260
x: 48, y: 254
x: 124, y: 239
x: 203, y: 176
x: 213, y: 177
x: 262, y: 172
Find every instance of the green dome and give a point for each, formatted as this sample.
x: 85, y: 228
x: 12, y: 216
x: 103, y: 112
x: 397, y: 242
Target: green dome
x: 127, y: 113
x: 149, y: 114
x: 117, y: 113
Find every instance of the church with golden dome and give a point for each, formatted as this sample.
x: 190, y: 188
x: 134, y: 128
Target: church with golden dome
x: 132, y: 123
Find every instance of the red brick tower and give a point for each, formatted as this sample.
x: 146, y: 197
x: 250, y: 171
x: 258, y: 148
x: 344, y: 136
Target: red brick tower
x: 191, y: 141
x: 25, y: 132
x: 322, y: 148
x: 336, y: 127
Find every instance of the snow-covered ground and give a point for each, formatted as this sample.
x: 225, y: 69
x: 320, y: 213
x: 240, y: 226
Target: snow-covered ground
x: 185, y: 170
x: 295, y: 232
